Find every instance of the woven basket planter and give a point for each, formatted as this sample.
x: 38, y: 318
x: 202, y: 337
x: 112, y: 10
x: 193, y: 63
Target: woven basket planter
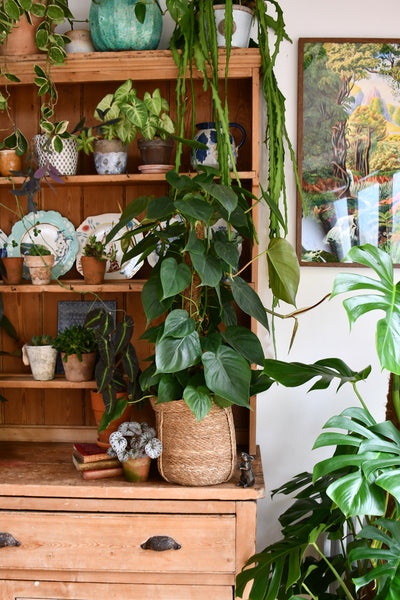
x: 195, y: 453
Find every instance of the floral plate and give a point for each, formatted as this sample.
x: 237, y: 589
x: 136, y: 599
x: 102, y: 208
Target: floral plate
x: 49, y: 229
x: 100, y: 226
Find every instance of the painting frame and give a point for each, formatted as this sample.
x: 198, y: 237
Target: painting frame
x: 348, y: 148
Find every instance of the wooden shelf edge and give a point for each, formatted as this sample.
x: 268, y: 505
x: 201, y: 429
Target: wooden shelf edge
x: 75, y: 287
x: 19, y: 380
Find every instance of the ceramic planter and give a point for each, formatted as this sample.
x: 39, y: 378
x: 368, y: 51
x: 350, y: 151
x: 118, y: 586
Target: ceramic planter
x: 66, y: 161
x: 156, y: 151
x: 110, y: 157
x: 97, y: 403
x: 9, y: 161
x: 114, y: 26
x: 40, y: 268
x: 41, y: 359
x: 75, y: 370
x: 93, y: 270
x: 137, y: 470
x: 242, y: 19
x: 207, y: 134
x: 81, y: 41
x: 14, y: 266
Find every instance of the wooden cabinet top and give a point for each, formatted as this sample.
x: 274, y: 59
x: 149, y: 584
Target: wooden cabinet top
x: 46, y: 470
x: 118, y: 66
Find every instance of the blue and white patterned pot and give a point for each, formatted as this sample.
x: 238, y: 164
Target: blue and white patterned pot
x: 110, y: 157
x: 207, y: 134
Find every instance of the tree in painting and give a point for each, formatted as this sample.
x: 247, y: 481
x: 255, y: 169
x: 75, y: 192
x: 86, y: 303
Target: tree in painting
x: 350, y: 153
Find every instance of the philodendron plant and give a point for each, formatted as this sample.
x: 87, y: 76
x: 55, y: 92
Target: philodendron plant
x: 204, y: 348
x: 353, y: 498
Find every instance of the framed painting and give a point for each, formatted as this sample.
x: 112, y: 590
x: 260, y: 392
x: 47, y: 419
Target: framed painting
x: 348, y: 148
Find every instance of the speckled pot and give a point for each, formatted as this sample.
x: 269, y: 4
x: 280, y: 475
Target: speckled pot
x: 41, y: 359
x: 110, y: 157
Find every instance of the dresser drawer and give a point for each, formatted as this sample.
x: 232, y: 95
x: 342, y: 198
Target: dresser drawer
x: 112, y: 542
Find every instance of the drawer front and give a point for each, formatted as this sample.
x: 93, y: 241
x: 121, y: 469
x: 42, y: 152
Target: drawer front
x: 44, y: 590
x: 112, y: 542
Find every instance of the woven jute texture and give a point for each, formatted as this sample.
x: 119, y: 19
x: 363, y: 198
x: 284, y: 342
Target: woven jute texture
x: 195, y: 453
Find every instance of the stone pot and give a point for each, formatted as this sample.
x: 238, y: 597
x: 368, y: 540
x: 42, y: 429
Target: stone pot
x: 114, y: 26
x: 110, y: 157
x: 137, y: 470
x: 9, y: 161
x: 242, y: 19
x: 14, y: 266
x: 75, y: 370
x: 156, y: 151
x: 93, y: 270
x: 40, y: 268
x: 41, y: 359
x: 81, y: 41
x: 66, y: 161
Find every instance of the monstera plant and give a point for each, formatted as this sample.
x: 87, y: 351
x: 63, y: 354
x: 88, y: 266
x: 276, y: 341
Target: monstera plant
x: 352, y: 499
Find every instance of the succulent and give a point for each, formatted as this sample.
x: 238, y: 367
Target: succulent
x: 134, y: 440
x: 97, y: 249
x: 76, y: 339
x: 41, y: 340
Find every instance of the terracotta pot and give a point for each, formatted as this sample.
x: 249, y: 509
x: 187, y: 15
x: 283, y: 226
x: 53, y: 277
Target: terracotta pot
x: 93, y: 269
x: 98, y: 409
x: 42, y: 360
x: 137, y: 469
x: 22, y: 38
x: 9, y: 161
x: 13, y: 266
x: 156, y: 151
x: 40, y: 268
x: 79, y: 371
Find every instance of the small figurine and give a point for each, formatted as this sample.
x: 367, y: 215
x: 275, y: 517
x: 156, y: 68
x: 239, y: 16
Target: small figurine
x: 6, y: 539
x: 247, y: 478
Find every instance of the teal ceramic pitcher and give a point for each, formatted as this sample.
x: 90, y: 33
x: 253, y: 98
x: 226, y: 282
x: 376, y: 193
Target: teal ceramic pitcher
x: 114, y: 26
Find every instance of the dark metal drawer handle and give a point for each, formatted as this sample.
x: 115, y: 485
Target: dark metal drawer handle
x: 159, y: 543
x: 6, y: 539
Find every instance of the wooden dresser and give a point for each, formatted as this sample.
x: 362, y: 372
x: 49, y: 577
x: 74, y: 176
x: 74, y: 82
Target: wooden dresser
x: 81, y: 540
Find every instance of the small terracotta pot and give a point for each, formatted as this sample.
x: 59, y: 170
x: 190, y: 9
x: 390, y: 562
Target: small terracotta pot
x: 14, y: 266
x: 93, y: 269
x: 40, y: 268
x: 9, y: 161
x: 156, y: 151
x: 98, y: 409
x: 137, y: 469
x: 79, y: 371
x: 21, y: 40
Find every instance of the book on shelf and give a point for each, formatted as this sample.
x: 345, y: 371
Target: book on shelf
x: 98, y: 465
x: 89, y: 452
x: 102, y: 473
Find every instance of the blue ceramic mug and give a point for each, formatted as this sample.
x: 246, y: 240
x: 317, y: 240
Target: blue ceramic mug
x: 207, y: 134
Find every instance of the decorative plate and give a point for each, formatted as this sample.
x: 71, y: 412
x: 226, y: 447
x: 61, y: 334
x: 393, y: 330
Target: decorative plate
x: 49, y: 229
x: 100, y: 226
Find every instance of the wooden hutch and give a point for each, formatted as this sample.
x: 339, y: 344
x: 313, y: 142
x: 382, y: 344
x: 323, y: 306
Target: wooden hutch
x: 80, y: 540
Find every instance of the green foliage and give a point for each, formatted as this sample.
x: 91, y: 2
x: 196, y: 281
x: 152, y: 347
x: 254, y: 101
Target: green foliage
x: 117, y: 369
x: 38, y: 250
x: 41, y: 340
x: 97, y: 249
x: 76, y: 339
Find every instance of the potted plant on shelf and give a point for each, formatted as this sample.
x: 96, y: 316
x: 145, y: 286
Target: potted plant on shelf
x: 123, y: 115
x: 117, y: 371
x: 11, y: 266
x: 135, y: 444
x: 203, y: 354
x: 78, y: 346
x: 94, y: 260
x: 39, y: 261
x: 235, y: 21
x: 41, y: 356
x: 347, y: 511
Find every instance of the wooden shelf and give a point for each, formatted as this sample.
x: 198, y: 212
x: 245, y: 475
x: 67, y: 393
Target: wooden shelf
x: 110, y: 180
x: 116, y: 66
x: 76, y: 286
x: 10, y: 380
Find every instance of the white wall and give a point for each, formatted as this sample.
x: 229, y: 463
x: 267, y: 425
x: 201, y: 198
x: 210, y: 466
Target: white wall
x: 290, y: 420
